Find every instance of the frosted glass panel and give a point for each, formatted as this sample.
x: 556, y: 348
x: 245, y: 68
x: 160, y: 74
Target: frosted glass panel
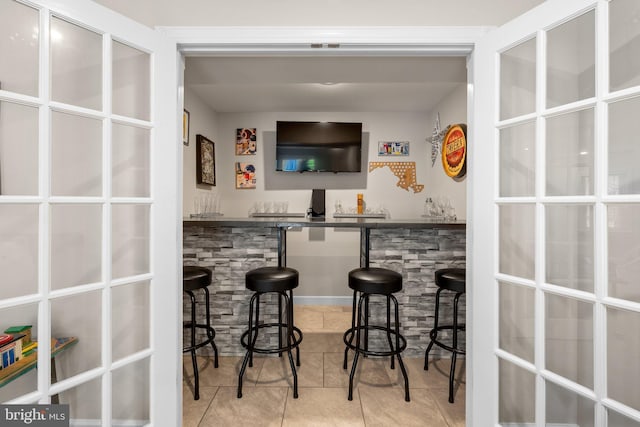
x: 571, y: 61
x: 18, y: 149
x: 130, y: 305
x: 570, y: 246
x: 615, y: 419
x: 518, y: 160
x: 18, y: 250
x: 19, y: 32
x: 624, y: 147
x: 76, y: 164
x: 570, y: 142
x: 85, y: 403
x: 131, y: 170
x: 517, y: 316
x: 624, y: 43
x: 517, y: 231
x: 517, y: 394
x: 131, y: 82
x: 15, y: 316
x: 624, y: 247
x: 131, y: 394
x: 76, y: 65
x: 76, y: 247
x: 78, y: 316
x: 569, y: 338
x: 518, y: 80
x: 566, y: 408
x: 130, y: 244
x: 623, y: 374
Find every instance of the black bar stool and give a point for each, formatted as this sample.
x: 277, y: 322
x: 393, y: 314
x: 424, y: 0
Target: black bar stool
x: 454, y: 280
x: 366, y: 282
x: 280, y: 280
x: 194, y: 278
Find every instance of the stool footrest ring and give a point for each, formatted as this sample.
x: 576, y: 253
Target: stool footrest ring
x: 201, y: 344
x: 349, y: 336
x: 297, y: 339
x: 433, y: 334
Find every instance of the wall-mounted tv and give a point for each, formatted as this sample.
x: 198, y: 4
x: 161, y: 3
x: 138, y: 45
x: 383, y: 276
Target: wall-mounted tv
x: 318, y: 146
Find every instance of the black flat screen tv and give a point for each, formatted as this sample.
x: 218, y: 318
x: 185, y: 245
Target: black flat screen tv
x: 318, y: 146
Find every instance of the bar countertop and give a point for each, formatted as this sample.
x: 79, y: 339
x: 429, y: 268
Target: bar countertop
x: 351, y: 222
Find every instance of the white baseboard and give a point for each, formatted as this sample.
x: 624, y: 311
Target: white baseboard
x: 344, y: 301
x: 534, y: 424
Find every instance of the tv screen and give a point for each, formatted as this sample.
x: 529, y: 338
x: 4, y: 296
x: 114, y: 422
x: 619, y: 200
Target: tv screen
x: 318, y: 146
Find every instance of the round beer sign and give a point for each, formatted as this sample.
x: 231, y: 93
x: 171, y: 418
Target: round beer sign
x: 454, y: 151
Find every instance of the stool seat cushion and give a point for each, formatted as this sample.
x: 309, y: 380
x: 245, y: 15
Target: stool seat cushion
x: 375, y: 280
x: 195, y: 278
x: 272, y: 279
x: 453, y: 279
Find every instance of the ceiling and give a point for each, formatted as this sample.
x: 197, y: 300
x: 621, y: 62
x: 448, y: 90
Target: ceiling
x: 313, y: 83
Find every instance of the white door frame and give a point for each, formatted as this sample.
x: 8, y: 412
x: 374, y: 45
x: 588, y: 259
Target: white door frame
x: 353, y: 41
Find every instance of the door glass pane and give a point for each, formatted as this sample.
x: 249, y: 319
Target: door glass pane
x: 76, y: 245
x: 624, y: 66
x: 78, y: 316
x: 130, y: 305
x: 570, y: 142
x: 130, y: 240
x: 517, y: 394
x: 518, y: 80
x: 517, y: 320
x: 624, y: 147
x: 623, y: 342
x: 570, y: 246
x: 18, y: 149
x: 566, y: 408
x: 76, y: 164
x: 569, y: 338
x: 571, y: 62
x: 19, y: 32
x: 131, y: 394
x: 517, y: 244
x: 615, y: 419
x: 85, y: 403
x: 131, y: 82
x: 131, y: 171
x: 76, y: 65
x: 518, y: 160
x: 624, y: 247
x: 18, y: 250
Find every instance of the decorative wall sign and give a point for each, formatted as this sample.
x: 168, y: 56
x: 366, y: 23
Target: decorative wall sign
x: 454, y: 151
x: 405, y: 171
x: 436, y: 140
x: 246, y: 141
x: 245, y: 176
x: 205, y: 161
x: 393, y: 148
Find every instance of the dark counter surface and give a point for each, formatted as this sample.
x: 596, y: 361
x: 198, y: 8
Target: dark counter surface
x: 222, y: 221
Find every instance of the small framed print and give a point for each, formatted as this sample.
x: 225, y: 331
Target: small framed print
x: 185, y: 127
x: 205, y: 161
x: 245, y: 176
x: 393, y: 148
x: 246, y: 141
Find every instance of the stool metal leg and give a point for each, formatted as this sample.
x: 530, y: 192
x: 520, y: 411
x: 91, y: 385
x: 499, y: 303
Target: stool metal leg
x: 404, y: 371
x: 434, y: 332
x: 357, y: 353
x: 209, y: 329
x: 353, y: 325
x: 250, y: 340
x: 255, y: 328
x: 389, y: 330
x: 454, y: 355
x: 289, y: 309
x: 196, y: 380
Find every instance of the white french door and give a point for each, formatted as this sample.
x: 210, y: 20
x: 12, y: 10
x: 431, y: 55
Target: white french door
x: 556, y: 188
x: 88, y: 211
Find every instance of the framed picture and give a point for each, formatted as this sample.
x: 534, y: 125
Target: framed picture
x: 245, y: 176
x: 205, y: 160
x: 393, y: 148
x: 185, y: 127
x: 246, y: 141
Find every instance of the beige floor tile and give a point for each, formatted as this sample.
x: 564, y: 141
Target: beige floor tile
x: 370, y: 371
x: 193, y: 410
x: 322, y: 407
x: 454, y: 413
x: 386, y: 407
x: 257, y: 407
x: 321, y: 308
x: 322, y: 342
x: 307, y: 320
x: 337, y: 321
x: 276, y: 371
x: 226, y: 374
